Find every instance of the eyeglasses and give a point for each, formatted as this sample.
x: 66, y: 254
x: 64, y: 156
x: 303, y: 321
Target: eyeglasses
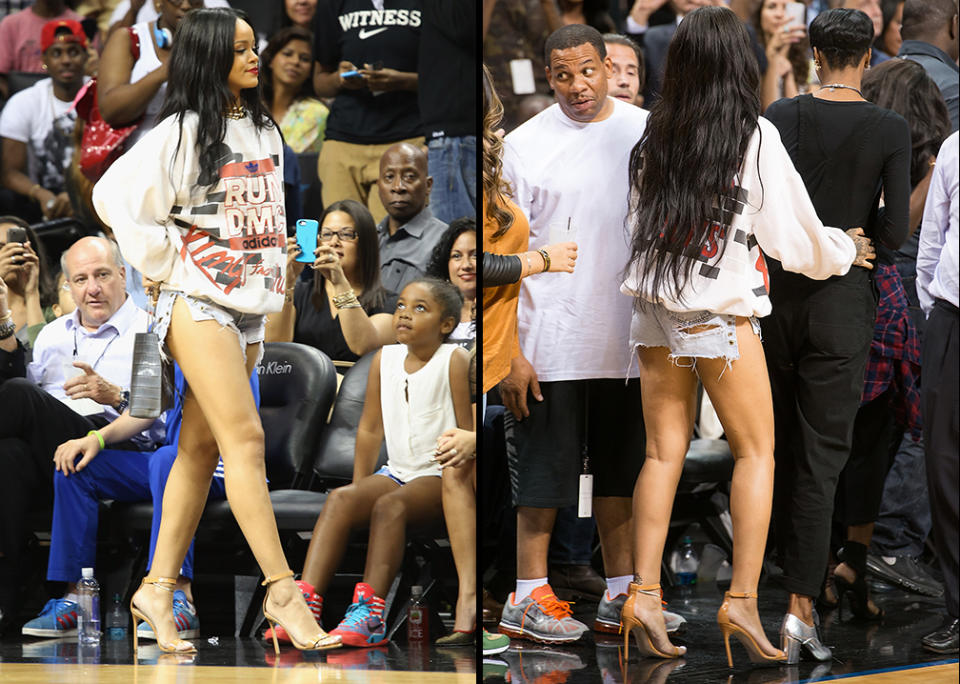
x: 346, y: 235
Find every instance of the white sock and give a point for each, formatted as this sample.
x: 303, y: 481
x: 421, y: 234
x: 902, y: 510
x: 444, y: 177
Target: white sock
x: 526, y: 587
x: 72, y: 596
x: 618, y: 585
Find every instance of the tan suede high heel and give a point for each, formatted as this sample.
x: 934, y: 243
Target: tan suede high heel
x: 727, y: 627
x: 631, y: 622
x: 323, y: 642
x: 179, y: 646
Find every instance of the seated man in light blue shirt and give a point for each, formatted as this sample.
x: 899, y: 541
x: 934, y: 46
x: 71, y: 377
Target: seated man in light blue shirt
x: 78, y: 381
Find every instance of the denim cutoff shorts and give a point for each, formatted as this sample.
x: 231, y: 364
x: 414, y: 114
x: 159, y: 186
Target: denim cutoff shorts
x: 249, y: 328
x: 714, y: 336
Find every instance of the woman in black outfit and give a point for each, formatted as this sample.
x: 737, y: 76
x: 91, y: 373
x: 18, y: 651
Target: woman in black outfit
x: 848, y: 152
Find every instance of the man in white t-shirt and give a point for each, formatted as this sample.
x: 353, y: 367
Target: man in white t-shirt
x: 568, y: 170
x: 36, y: 125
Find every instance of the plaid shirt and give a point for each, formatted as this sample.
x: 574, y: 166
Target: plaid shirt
x: 894, y: 358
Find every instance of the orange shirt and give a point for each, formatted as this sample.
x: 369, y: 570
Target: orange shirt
x: 500, y: 336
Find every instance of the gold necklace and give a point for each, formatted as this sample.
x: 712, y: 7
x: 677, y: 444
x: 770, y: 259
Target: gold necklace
x: 235, y: 111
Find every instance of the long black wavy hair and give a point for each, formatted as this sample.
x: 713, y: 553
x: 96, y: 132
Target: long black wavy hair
x: 692, y: 147
x: 904, y: 86
x: 439, y: 265
x: 200, y: 62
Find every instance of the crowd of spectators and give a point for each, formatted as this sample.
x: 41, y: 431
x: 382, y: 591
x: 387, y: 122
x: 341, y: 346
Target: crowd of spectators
x: 376, y: 110
x: 863, y: 95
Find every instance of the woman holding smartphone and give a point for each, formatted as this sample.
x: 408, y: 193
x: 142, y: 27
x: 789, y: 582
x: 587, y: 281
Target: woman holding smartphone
x: 197, y: 206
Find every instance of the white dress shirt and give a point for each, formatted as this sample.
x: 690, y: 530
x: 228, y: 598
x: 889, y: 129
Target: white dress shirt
x: 938, y: 256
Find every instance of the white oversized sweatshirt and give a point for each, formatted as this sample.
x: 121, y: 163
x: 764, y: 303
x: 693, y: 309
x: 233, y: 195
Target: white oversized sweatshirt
x: 225, y: 243
x: 771, y: 211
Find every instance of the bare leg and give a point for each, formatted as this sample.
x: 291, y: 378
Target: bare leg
x: 614, y: 515
x: 534, y: 527
x: 346, y: 508
x: 460, y: 513
x: 744, y: 406
x: 669, y: 408
x: 861, y: 534
x: 214, y: 367
x: 415, y: 503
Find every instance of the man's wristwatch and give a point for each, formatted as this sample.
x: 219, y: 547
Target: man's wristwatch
x: 124, y: 402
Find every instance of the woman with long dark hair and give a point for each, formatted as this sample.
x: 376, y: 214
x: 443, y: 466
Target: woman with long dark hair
x: 711, y: 186
x: 197, y: 207
x: 455, y: 259
x: 342, y: 309
x: 848, y: 151
x: 288, y: 89
x: 890, y: 404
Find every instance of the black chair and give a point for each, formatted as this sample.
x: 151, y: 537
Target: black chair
x: 21, y: 80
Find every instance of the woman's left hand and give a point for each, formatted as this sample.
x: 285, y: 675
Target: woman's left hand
x: 328, y: 263
x: 456, y: 447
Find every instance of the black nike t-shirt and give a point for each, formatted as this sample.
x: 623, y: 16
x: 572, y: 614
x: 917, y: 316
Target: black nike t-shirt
x: 357, y: 32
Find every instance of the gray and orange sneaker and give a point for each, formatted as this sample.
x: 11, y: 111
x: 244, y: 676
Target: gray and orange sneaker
x: 540, y: 617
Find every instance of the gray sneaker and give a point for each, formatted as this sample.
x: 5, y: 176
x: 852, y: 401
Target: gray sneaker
x: 540, y: 617
x: 608, y: 617
x: 904, y: 572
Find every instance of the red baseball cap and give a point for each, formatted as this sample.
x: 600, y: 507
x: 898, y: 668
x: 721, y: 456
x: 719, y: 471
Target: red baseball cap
x: 48, y: 35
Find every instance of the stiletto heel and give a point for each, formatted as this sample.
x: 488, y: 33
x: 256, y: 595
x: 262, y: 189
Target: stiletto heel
x: 178, y: 645
x: 631, y: 622
x: 728, y: 627
x: 323, y: 642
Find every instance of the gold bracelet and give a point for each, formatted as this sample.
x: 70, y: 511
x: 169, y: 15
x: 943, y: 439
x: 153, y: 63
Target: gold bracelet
x: 546, y: 259
x: 287, y: 296
x: 347, y: 300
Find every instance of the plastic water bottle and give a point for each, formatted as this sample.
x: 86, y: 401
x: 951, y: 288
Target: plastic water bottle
x: 88, y: 624
x: 418, y: 625
x: 687, y: 563
x: 116, y: 621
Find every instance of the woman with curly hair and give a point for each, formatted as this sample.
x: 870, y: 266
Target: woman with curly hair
x: 455, y: 259
x: 713, y: 193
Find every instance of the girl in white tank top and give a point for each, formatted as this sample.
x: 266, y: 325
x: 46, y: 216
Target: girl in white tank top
x: 416, y: 390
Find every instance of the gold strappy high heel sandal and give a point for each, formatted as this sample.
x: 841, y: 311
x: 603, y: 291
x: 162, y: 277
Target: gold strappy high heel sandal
x: 179, y: 646
x: 727, y: 627
x: 631, y: 622
x: 323, y: 642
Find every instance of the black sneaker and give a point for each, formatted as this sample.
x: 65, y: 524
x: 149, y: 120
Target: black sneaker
x: 905, y: 572
x: 945, y: 640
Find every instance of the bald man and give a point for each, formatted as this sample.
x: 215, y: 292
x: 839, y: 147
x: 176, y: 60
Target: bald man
x: 410, y: 231
x: 77, y: 381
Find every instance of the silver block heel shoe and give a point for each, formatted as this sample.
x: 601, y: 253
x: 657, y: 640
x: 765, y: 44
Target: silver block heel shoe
x: 795, y: 635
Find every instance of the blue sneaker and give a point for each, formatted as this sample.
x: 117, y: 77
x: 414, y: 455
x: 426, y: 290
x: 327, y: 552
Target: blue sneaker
x: 184, y: 614
x: 57, y: 619
x: 363, y: 624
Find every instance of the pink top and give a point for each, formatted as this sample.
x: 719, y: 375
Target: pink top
x: 20, y: 40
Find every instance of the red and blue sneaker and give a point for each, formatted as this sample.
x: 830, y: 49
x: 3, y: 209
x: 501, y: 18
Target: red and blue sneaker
x: 184, y: 616
x: 314, y: 603
x: 57, y: 619
x: 363, y: 624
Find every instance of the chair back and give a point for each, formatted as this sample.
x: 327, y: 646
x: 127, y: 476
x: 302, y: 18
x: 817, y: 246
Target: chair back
x: 334, y: 459
x: 297, y: 387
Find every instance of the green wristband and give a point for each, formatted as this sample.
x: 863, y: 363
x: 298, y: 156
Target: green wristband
x: 99, y: 438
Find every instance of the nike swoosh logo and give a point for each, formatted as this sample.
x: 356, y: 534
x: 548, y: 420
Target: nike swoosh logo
x: 364, y: 34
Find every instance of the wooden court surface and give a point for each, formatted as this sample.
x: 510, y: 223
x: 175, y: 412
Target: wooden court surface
x: 32, y: 673
x: 36, y: 673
